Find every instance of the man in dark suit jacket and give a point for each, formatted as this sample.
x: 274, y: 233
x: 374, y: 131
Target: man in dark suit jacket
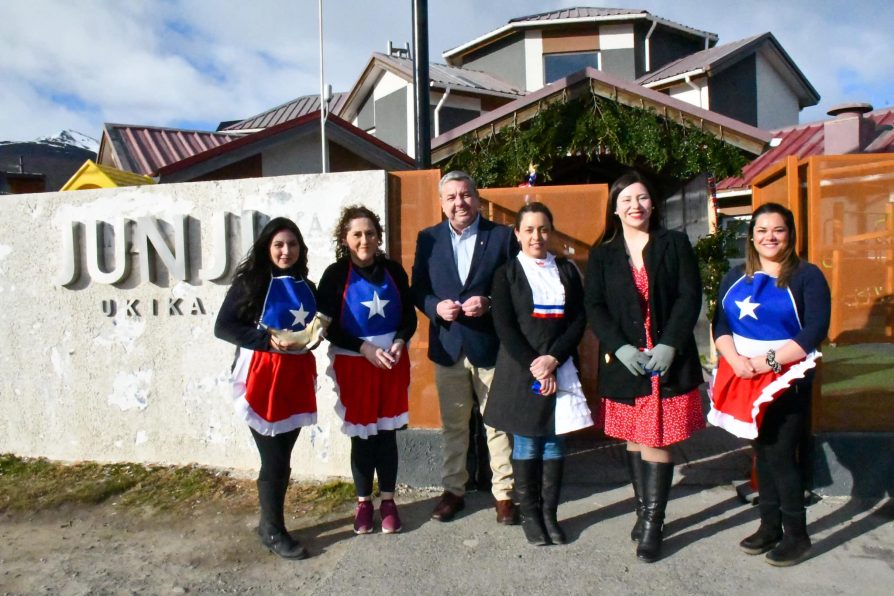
x: 452, y: 276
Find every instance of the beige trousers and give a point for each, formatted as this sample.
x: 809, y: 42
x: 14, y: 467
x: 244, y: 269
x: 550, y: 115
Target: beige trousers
x: 457, y: 386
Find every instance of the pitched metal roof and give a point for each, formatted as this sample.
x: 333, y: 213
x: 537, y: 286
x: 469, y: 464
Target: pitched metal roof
x: 339, y: 131
x: 442, y: 75
x: 719, y: 57
x: 288, y: 111
x: 592, y: 81
x: 146, y: 149
x: 580, y: 14
x: 702, y: 60
x: 805, y: 140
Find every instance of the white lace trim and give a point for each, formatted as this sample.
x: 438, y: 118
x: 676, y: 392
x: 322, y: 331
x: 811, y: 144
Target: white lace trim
x: 749, y: 430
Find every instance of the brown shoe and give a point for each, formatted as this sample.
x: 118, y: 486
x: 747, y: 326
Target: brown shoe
x: 507, y: 512
x: 448, y: 507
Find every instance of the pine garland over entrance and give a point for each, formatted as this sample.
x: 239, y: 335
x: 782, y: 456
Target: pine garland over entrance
x: 595, y: 127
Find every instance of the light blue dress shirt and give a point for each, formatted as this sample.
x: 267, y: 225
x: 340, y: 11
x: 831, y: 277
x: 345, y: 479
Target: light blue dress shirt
x: 464, y: 247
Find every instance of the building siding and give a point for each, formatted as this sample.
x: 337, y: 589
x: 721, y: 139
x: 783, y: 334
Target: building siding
x: 391, y: 119
x: 504, y: 59
x: 667, y: 46
x: 733, y: 92
x: 777, y: 104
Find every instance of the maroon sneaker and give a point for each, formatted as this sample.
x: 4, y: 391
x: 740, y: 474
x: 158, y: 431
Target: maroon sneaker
x: 363, y: 518
x: 390, y: 518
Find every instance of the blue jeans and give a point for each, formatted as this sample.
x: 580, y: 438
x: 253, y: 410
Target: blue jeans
x: 549, y: 447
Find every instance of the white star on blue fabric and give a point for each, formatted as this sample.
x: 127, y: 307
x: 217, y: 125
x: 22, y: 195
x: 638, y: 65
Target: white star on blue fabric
x: 376, y: 306
x: 746, y: 308
x: 300, y: 315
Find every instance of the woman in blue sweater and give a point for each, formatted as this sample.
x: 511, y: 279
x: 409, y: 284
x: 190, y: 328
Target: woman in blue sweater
x: 772, y: 314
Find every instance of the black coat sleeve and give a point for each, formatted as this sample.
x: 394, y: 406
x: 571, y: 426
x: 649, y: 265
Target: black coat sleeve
x: 229, y: 327
x: 423, y: 294
x: 684, y: 313
x: 408, y: 311
x: 813, y: 291
x: 596, y: 300
x: 512, y: 340
x: 332, y: 289
x: 566, y: 344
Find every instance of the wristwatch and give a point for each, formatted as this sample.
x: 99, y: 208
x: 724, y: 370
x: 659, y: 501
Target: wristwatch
x: 771, y: 362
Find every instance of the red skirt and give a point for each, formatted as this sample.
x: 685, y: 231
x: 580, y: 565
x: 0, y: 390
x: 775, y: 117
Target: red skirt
x: 653, y: 421
x: 279, y: 392
x: 371, y: 399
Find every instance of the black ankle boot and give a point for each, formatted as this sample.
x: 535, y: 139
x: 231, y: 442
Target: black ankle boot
x: 795, y: 544
x: 768, y: 534
x: 657, y: 478
x: 527, y: 474
x: 635, y: 467
x: 549, y: 492
x: 272, y: 528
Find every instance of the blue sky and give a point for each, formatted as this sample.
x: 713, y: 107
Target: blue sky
x: 74, y: 64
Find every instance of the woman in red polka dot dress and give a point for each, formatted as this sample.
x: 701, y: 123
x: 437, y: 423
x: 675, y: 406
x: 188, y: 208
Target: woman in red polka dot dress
x: 643, y: 296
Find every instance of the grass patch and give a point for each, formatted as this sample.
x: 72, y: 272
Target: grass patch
x: 38, y: 484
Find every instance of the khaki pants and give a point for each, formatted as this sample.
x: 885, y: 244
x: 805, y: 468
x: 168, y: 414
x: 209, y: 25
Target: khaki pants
x: 457, y: 386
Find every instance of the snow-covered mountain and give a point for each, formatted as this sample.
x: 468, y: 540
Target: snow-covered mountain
x: 55, y: 159
x: 74, y: 138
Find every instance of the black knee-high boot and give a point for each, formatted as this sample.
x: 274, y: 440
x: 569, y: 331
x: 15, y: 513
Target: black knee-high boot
x: 527, y: 477
x: 795, y: 544
x: 272, y: 527
x: 551, y: 489
x: 657, y: 478
x: 635, y: 467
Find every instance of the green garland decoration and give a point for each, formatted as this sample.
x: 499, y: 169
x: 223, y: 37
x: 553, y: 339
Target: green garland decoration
x: 594, y: 127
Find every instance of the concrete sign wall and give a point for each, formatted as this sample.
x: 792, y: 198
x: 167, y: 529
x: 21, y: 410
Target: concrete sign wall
x: 107, y: 308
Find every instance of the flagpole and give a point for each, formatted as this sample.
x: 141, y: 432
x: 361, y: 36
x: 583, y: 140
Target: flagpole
x: 324, y: 107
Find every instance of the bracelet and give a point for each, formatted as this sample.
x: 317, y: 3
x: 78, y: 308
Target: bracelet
x: 771, y: 362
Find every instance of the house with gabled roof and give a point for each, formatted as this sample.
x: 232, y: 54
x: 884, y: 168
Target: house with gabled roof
x: 750, y: 82
x: 535, y: 50
x: 381, y: 101
x: 753, y: 80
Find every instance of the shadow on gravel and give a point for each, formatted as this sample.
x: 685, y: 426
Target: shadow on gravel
x: 841, y: 516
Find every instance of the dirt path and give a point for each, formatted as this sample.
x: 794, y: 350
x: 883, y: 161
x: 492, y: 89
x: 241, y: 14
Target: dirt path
x: 101, y: 550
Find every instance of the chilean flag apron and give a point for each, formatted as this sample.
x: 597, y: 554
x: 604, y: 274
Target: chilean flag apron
x: 370, y: 398
x: 761, y: 317
x: 275, y: 392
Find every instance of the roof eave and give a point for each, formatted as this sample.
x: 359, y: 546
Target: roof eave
x: 511, y: 27
x: 741, y: 135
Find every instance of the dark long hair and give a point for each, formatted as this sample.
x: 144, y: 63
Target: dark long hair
x: 612, y: 222
x: 534, y: 207
x: 255, y: 270
x: 789, y: 260
x: 348, y: 214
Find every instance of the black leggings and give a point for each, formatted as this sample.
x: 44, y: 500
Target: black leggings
x: 376, y: 454
x: 780, y: 474
x: 276, y: 453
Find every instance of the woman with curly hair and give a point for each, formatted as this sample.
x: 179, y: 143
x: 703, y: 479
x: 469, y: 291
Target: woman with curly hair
x: 367, y: 296
x: 269, y: 313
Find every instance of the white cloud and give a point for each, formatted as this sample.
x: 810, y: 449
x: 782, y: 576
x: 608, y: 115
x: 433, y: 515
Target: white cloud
x: 78, y: 63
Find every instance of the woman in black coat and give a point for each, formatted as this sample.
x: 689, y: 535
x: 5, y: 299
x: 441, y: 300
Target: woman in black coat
x: 643, y: 297
x: 537, y: 306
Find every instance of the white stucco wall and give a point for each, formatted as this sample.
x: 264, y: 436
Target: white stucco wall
x: 76, y: 384
x: 697, y: 97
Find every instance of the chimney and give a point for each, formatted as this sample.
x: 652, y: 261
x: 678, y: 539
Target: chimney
x: 848, y: 131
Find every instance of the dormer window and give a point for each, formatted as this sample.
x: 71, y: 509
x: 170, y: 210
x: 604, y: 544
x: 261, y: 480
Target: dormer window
x: 559, y: 66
